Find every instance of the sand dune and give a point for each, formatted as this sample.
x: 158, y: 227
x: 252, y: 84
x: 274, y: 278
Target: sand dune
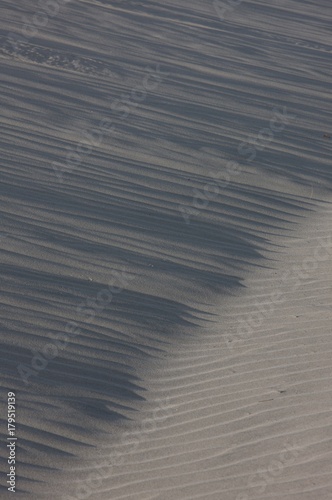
x: 166, y: 248
x: 249, y: 414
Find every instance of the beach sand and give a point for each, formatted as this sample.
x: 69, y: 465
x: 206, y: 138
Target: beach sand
x: 166, y: 249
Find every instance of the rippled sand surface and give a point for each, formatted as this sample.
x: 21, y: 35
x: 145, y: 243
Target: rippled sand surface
x: 166, y: 249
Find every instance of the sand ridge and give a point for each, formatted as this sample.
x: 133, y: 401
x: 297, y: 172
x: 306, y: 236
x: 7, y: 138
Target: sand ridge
x: 157, y: 163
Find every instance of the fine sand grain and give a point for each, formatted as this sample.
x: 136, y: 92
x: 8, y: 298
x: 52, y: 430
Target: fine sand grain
x: 166, y: 249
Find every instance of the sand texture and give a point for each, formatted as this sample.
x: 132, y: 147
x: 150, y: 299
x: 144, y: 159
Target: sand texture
x: 166, y: 249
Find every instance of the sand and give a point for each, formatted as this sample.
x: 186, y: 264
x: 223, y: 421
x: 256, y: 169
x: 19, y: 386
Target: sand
x: 166, y: 249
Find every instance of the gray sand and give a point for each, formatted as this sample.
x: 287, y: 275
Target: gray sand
x: 164, y: 164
